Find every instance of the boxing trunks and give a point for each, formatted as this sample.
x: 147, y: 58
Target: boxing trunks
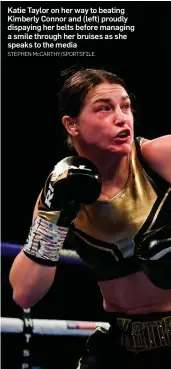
x: 134, y: 341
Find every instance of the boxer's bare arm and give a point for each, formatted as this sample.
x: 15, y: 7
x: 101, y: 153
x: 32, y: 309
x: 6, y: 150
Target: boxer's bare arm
x: 30, y: 281
x: 33, y: 270
x: 157, y: 153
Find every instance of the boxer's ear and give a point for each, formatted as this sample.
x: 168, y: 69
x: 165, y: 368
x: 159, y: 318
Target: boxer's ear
x: 70, y: 125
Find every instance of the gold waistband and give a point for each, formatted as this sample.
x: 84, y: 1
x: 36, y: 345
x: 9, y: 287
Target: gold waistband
x: 138, y: 335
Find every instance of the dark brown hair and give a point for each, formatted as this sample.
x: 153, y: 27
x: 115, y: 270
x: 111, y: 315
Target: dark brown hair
x: 75, y: 88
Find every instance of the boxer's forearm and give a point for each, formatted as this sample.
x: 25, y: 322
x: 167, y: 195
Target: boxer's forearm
x: 29, y: 280
x: 33, y: 270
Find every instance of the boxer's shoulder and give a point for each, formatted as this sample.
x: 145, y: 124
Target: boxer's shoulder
x: 157, y: 153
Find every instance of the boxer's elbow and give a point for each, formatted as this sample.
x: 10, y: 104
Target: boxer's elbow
x: 30, y: 281
x: 30, y: 293
x: 23, y: 301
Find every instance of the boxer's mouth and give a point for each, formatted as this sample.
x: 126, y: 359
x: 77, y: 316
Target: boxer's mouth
x: 123, y: 134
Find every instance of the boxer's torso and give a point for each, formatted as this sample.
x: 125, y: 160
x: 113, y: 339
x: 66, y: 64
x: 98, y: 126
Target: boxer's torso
x: 109, y: 231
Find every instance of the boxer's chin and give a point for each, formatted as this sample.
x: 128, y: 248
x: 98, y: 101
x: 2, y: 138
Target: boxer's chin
x: 121, y: 145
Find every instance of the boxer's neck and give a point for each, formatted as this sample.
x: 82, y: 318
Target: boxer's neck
x: 114, y: 169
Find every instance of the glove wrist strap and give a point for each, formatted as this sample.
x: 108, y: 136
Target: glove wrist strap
x: 45, y: 241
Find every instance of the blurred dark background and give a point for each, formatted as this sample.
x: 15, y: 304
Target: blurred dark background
x: 32, y: 143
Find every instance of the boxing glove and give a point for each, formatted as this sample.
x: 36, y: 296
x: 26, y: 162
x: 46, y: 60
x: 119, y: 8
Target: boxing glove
x: 74, y: 180
x: 154, y: 255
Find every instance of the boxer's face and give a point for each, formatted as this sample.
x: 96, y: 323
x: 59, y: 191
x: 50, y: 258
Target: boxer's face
x: 106, y: 119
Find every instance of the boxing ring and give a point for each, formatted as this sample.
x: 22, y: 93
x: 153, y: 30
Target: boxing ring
x: 30, y: 329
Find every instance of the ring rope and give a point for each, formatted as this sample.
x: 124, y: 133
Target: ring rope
x: 51, y: 327
x: 66, y: 255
